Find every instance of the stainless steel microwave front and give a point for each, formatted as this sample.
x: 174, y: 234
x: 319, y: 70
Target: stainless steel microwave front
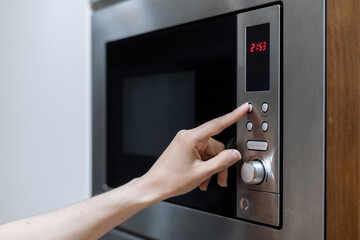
x: 299, y: 187
x: 258, y: 133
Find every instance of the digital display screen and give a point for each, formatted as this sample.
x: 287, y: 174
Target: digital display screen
x: 258, y: 58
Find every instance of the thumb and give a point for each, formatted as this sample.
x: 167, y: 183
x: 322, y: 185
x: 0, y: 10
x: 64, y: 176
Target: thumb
x: 222, y: 161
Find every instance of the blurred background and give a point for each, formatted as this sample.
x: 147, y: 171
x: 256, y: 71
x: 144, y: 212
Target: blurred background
x: 44, y: 106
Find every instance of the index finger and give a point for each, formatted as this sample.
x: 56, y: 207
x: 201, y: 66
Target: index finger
x: 217, y: 125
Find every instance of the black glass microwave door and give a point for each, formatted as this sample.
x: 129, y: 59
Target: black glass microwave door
x: 162, y: 82
x: 155, y: 106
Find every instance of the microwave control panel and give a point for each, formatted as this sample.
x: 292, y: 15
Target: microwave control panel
x: 259, y: 131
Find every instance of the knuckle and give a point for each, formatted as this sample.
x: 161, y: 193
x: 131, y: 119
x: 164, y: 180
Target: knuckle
x: 181, y: 133
x: 184, y: 135
x: 222, y: 146
x: 219, y: 145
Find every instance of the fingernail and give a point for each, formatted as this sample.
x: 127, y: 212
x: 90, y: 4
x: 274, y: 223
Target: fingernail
x: 236, y: 154
x: 223, y: 184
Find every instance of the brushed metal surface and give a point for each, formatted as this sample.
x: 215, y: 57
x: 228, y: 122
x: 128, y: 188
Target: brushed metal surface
x: 303, y: 117
x: 270, y: 157
x: 266, y: 203
x: 95, y: 5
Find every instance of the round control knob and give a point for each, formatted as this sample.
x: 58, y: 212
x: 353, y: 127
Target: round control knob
x: 253, y: 172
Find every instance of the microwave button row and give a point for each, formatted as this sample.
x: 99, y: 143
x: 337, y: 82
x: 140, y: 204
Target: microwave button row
x: 257, y: 145
x: 264, y: 126
x: 264, y: 107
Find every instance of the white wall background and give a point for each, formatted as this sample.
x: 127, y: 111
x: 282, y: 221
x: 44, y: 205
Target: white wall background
x: 44, y: 105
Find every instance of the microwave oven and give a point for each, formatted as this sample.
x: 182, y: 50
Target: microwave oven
x: 157, y: 70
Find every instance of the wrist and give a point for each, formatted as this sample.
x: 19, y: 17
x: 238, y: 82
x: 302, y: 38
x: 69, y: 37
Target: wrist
x: 147, y: 190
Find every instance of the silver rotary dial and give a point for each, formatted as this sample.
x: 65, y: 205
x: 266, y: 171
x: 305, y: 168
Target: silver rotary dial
x: 253, y: 172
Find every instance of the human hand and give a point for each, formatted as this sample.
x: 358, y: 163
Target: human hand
x: 189, y: 161
x: 193, y: 157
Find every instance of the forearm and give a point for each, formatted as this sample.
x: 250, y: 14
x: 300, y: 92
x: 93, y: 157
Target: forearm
x: 189, y: 161
x: 89, y: 219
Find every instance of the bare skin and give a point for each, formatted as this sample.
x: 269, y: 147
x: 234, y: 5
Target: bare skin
x: 189, y: 162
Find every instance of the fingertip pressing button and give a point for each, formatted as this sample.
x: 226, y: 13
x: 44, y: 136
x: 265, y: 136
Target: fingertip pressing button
x: 250, y: 108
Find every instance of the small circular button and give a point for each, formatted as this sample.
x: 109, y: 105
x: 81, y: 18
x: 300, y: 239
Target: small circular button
x: 250, y: 108
x: 264, y: 126
x: 264, y: 107
x: 249, y: 126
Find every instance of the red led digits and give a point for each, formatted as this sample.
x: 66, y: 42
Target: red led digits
x: 252, y: 47
x: 258, y: 47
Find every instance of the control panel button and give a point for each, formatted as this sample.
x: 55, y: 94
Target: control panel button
x: 250, y: 108
x: 253, y: 172
x: 264, y: 107
x: 257, y: 145
x: 249, y: 126
x: 264, y: 126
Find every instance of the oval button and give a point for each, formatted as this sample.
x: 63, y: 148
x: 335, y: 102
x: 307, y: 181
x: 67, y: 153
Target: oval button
x: 264, y: 126
x: 264, y: 107
x: 249, y: 126
x: 257, y: 145
x: 250, y: 108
